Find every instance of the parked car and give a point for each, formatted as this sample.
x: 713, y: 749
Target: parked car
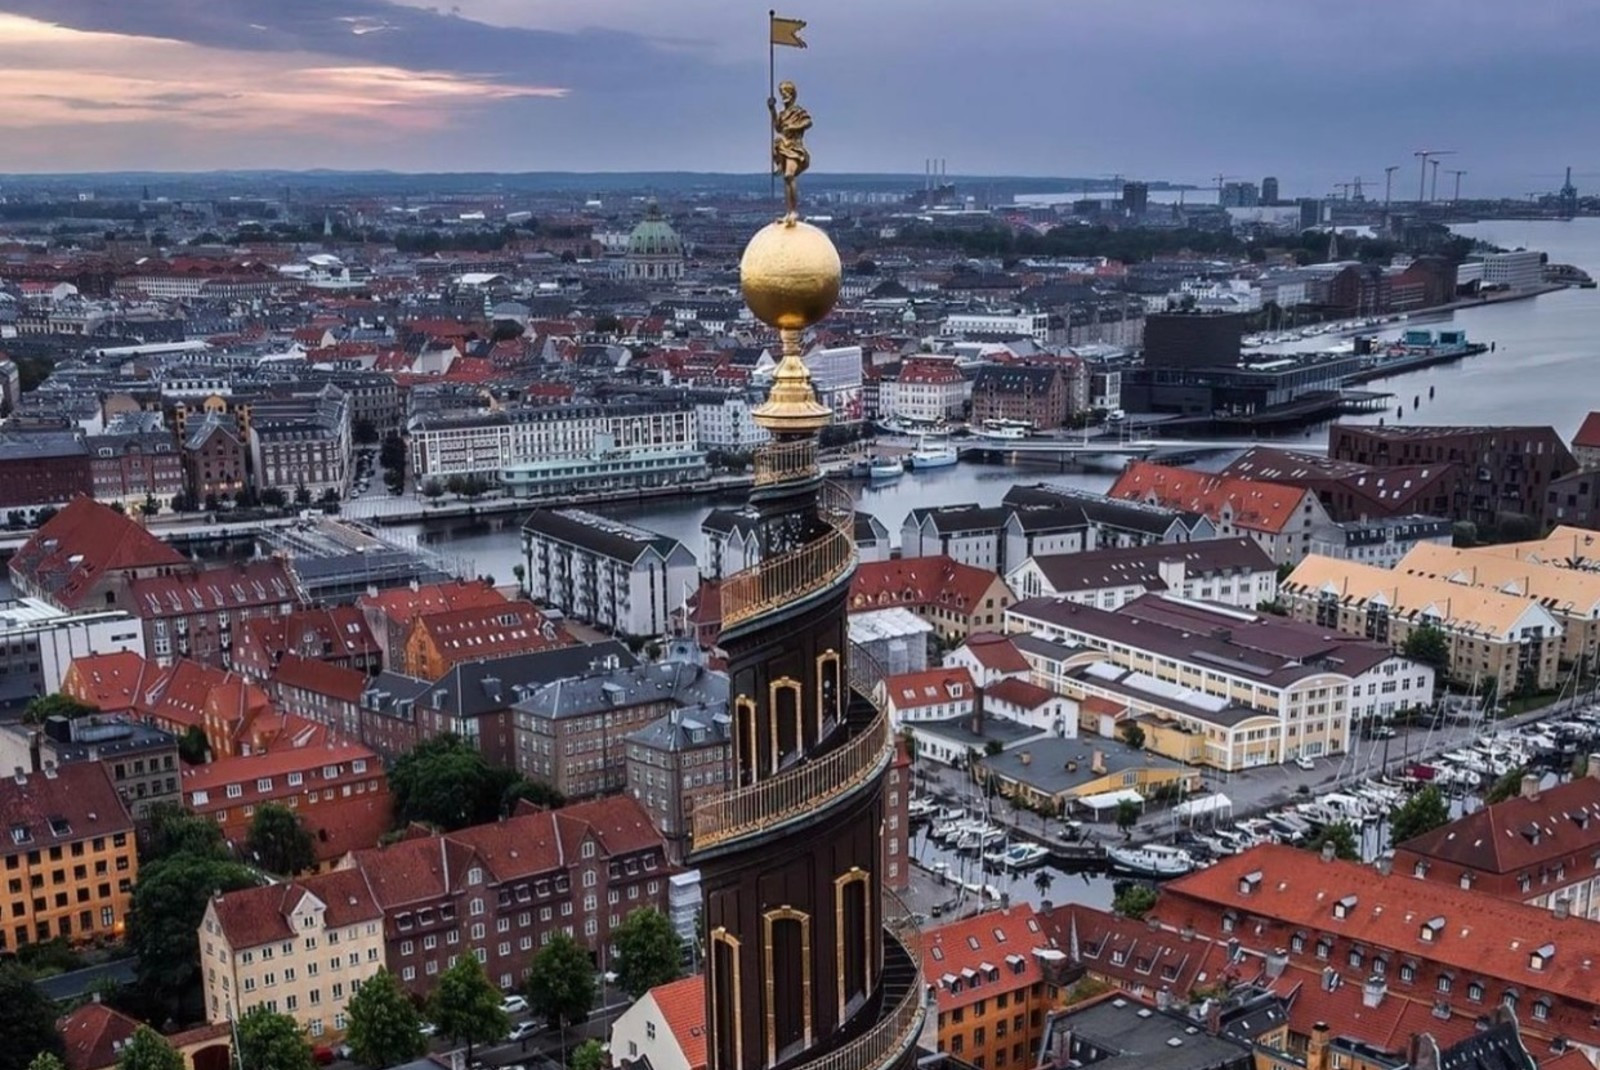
x: 522, y: 1031
x: 1305, y: 763
x: 514, y: 1005
x: 323, y: 1055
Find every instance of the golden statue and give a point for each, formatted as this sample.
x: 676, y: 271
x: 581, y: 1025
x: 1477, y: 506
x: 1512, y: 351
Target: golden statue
x: 790, y: 158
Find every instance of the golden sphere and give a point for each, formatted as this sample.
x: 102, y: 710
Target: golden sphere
x: 790, y: 275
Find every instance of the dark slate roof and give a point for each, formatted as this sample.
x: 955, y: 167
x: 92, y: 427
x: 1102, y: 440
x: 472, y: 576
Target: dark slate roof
x: 728, y: 521
x: 1100, y: 509
x: 955, y: 519
x: 687, y: 728
x: 628, y: 685
x: 1126, y: 566
x: 1014, y: 378
x: 598, y: 534
x: 66, y: 987
x: 477, y: 688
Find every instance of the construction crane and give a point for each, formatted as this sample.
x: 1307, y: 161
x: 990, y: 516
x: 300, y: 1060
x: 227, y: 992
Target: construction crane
x: 1458, y: 173
x: 1422, y: 174
x: 1388, y: 183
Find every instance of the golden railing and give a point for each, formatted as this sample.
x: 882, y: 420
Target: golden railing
x: 795, y: 791
x: 779, y: 461
x: 784, y: 577
x: 898, y: 1026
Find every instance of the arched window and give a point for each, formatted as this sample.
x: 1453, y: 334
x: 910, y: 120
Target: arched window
x: 727, y: 1018
x: 744, y: 733
x: 852, y: 904
x: 788, y: 982
x: 828, y: 692
x: 788, y: 733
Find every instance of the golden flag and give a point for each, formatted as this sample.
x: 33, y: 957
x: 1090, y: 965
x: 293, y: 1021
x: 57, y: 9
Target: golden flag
x: 787, y: 31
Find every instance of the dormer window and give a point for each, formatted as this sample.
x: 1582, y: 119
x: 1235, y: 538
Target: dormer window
x: 1420, y: 869
x: 1540, y: 958
x: 1343, y: 907
x: 1431, y: 930
x: 1475, y: 991
x: 1297, y: 942
x: 1250, y: 883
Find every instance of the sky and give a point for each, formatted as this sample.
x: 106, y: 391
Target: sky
x: 1181, y: 90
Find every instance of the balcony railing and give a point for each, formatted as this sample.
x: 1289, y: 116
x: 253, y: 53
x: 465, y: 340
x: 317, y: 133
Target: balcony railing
x: 784, y: 577
x: 897, y: 1026
x: 801, y: 789
x: 779, y: 461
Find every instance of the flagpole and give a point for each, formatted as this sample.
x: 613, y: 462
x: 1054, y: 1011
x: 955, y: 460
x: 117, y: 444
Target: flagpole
x: 772, y: 94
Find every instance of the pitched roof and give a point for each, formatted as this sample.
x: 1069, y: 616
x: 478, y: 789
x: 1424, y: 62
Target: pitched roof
x: 930, y: 687
x: 489, y: 631
x: 319, y: 632
x: 1588, y: 436
x: 959, y: 954
x: 251, y: 917
x: 938, y: 581
x: 1016, y: 692
x: 1569, y: 592
x: 995, y: 652
x: 1256, y: 506
x: 59, y: 806
x: 403, y: 603
x: 683, y: 1005
x: 110, y: 682
x: 227, y: 587
x: 319, y: 677
x: 1457, y: 606
x: 83, y: 543
x: 1124, y: 566
x: 94, y: 1034
x: 1519, y: 833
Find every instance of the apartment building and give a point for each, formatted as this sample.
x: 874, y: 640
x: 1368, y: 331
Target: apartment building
x: 70, y: 860
x: 443, y: 446
x: 675, y: 761
x: 142, y: 759
x: 991, y: 991
x: 338, y: 788
x: 1509, y: 641
x: 1351, y: 491
x: 501, y: 891
x: 606, y: 573
x: 1283, y: 519
x: 438, y: 640
x: 193, y: 613
x: 301, y: 948
x: 81, y: 557
x: 929, y: 695
x: 1571, y: 596
x: 928, y: 390
x: 1040, y: 397
x: 320, y: 692
x: 956, y: 599
x: 336, y: 635
x: 572, y: 733
x: 1235, y: 572
x: 1537, y: 847
x: 1221, y: 668
x: 38, y: 643
x: 1384, y: 541
x: 389, y: 613
x: 135, y: 461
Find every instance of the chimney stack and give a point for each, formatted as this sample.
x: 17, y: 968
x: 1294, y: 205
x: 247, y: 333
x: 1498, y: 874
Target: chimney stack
x: 1097, y: 764
x: 1530, y: 786
x: 1277, y: 962
x: 1317, y: 1048
x: 1327, y: 852
x: 1385, y: 865
x: 1373, y: 991
x: 1330, y: 978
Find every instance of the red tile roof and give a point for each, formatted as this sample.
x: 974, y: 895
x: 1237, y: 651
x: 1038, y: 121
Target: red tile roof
x: 1517, y: 834
x: 957, y: 954
x: 250, y: 585
x: 320, y: 678
x: 1256, y: 506
x: 488, y: 631
x: 110, y: 682
x: 683, y: 1004
x: 94, y: 1034
x: 251, y: 917
x: 931, y: 687
x: 1018, y: 693
x: 332, y: 633
x: 402, y: 604
x: 1588, y: 435
x: 996, y: 652
x: 80, y: 546
x: 924, y: 582
x: 70, y: 803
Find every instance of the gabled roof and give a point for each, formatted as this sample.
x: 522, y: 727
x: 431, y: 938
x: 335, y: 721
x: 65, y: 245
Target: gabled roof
x: 1519, y: 834
x: 319, y: 678
x: 1457, y: 606
x: 228, y: 587
x: 1564, y: 591
x: 401, y: 604
x: 682, y: 1004
x: 94, y: 1034
x: 110, y: 682
x: 1588, y: 436
x: 1141, y: 566
x: 251, y: 917
x: 81, y: 545
x: 960, y: 957
x: 489, y: 631
x: 994, y: 652
x: 1019, y: 693
x: 1256, y: 506
x: 70, y: 802
x: 924, y: 582
x: 930, y: 687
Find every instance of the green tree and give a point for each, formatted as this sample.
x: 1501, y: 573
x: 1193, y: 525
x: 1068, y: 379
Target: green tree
x: 1423, y: 812
x: 432, y: 489
x: 466, y: 1007
x: 993, y: 748
x: 648, y: 949
x: 169, y: 900
x: 55, y: 704
x: 28, y: 1022
x: 1428, y: 645
x: 279, y: 841
x: 274, y: 498
x: 1341, y: 837
x: 521, y: 575
x: 535, y: 791
x: 1042, y: 880
x: 364, y: 432
x: 392, y: 454
x: 302, y: 495
x: 193, y: 747
x: 173, y: 830
x: 589, y: 1055
x: 47, y: 1060
x: 151, y: 507
x: 456, y: 485
x: 1127, y: 815
x: 149, y: 1050
x: 1134, y: 900
x: 383, y: 1023
x: 560, y: 987
x: 1507, y: 786
x: 272, y: 1041
x: 442, y: 781
x: 1133, y: 735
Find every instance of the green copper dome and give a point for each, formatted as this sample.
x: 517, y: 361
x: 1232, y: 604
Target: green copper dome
x: 654, y: 236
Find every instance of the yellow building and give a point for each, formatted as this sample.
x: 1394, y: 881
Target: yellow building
x: 1510, y: 640
x: 1571, y: 595
x: 1055, y: 773
x: 992, y: 990
x: 70, y: 859
x: 302, y: 948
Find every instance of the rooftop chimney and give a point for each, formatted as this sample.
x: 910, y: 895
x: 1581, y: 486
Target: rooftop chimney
x: 1097, y: 763
x: 20, y: 777
x: 1530, y: 786
x: 1330, y: 978
x: 1317, y: 1048
x: 1373, y: 991
x: 1277, y: 961
x: 1385, y: 865
x: 1025, y: 758
x: 1327, y: 852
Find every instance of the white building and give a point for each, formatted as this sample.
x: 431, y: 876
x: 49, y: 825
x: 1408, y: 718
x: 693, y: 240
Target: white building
x: 1035, y: 325
x: 1233, y: 572
x: 1383, y: 541
x: 731, y: 544
x: 928, y: 390
x: 606, y: 573
x: 835, y: 374
x: 895, y: 638
x: 727, y: 424
x: 931, y: 695
x: 1025, y: 703
x: 38, y: 643
x: 664, y: 1029
x: 1520, y: 270
x: 485, y: 445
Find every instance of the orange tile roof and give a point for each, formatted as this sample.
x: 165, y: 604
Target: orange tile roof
x: 1256, y: 506
x: 251, y: 917
x: 957, y: 954
x: 931, y: 687
x: 403, y: 603
x: 1017, y: 692
x: 683, y: 1004
x: 491, y: 630
x: 109, y: 682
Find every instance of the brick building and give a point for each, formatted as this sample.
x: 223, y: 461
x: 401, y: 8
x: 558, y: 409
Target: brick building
x: 500, y: 891
x: 82, y: 557
x: 42, y: 468
x: 956, y: 599
x: 1504, y: 470
x: 70, y: 861
x: 215, y: 456
x: 437, y: 641
x: 336, y: 635
x: 135, y: 461
x: 194, y: 614
x: 1037, y: 396
x: 675, y: 761
x: 389, y: 613
x: 321, y: 692
x: 142, y: 759
x: 1351, y: 491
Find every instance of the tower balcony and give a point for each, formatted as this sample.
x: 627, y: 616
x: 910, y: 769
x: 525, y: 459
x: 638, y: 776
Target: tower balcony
x: 784, y: 578
x: 889, y: 1035
x: 807, y: 790
x: 782, y: 462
